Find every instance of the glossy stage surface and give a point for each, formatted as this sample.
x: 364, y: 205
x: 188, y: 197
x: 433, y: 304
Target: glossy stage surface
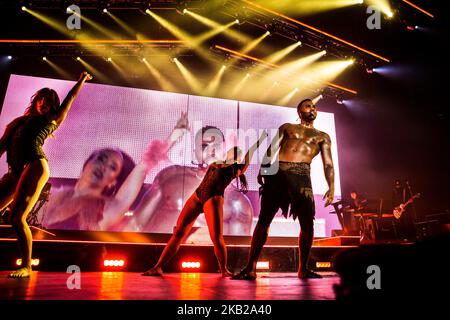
x: 173, y: 286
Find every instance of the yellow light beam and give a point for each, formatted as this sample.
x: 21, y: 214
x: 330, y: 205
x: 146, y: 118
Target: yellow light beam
x: 315, y: 29
x: 383, y: 5
x: 287, y: 68
x: 321, y: 73
x: 58, y: 69
x: 316, y: 99
x: 120, y: 69
x: 249, y: 47
x: 176, y: 31
x: 418, y: 8
x: 98, y: 27
x: 121, y: 23
x: 285, y: 100
x: 213, y: 24
x: 268, y: 92
x: 180, y: 34
x: 94, y: 71
x: 165, y: 84
x: 246, y: 56
x: 193, y: 83
x: 58, y: 26
x: 214, y: 84
x: 277, y: 56
x: 211, y: 33
x: 240, y: 85
x: 293, y: 67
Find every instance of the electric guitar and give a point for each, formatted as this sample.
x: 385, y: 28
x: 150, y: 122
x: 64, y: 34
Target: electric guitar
x: 401, y: 208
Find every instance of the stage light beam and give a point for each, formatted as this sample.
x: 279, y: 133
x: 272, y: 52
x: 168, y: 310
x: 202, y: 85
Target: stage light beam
x: 121, y: 23
x: 317, y: 99
x: 180, y: 34
x: 240, y: 85
x: 191, y: 80
x: 277, y: 56
x: 98, y: 27
x: 250, y: 46
x: 165, y: 84
x: 211, y: 89
x: 58, y: 69
x: 57, y: 25
x: 213, y: 24
x: 383, y: 5
x: 288, y: 97
x: 94, y: 71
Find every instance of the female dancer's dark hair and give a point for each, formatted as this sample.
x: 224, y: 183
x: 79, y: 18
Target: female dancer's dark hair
x: 51, y: 100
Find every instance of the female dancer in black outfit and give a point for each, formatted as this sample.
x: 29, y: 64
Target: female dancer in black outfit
x: 28, y: 170
x: 208, y: 198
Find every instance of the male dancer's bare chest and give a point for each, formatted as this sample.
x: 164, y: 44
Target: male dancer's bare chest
x: 299, y: 144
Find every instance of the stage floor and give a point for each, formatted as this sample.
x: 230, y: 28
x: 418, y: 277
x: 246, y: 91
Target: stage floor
x: 173, y: 286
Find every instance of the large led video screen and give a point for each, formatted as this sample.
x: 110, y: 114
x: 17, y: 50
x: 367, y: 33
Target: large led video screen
x: 111, y: 129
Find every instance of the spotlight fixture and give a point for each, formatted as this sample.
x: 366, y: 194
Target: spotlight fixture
x: 263, y: 265
x: 189, y: 265
x: 144, y: 6
x: 44, y: 58
x: 114, y: 263
x: 109, y: 59
x: 103, y: 6
x: 10, y: 57
x: 78, y: 58
x: 369, y: 70
x: 181, y: 7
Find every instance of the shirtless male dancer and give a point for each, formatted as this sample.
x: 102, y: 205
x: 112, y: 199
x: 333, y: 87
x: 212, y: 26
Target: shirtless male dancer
x: 291, y: 185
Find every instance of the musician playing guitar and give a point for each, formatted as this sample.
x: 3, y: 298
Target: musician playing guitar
x: 405, y: 222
